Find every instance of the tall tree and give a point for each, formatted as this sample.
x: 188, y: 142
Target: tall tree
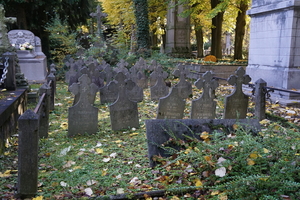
x: 216, y: 31
x: 142, y: 22
x: 240, y: 29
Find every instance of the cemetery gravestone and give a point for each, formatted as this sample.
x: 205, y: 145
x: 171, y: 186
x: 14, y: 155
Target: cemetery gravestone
x: 171, y: 106
x: 236, y: 104
x: 33, y: 62
x: 205, y: 106
x: 141, y: 78
x: 123, y: 112
x: 107, y: 95
x: 73, y: 68
x: 122, y: 67
x: 160, y: 131
x: 184, y: 87
x: 83, y: 117
x: 159, y: 89
x: 99, y: 15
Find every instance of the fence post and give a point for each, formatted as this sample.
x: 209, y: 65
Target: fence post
x: 44, y: 111
x: 28, y: 155
x: 260, y: 99
x: 53, y: 89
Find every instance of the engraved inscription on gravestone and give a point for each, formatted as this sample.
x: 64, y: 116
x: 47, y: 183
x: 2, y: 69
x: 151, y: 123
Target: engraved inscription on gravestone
x: 205, y: 106
x: 83, y: 117
x: 171, y: 106
x: 236, y: 104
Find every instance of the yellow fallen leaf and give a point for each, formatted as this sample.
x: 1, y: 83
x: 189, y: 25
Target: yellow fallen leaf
x: 6, y: 153
x: 264, y: 121
x: 118, y: 141
x: 174, y: 198
x: 215, y: 193
x: 133, y: 134
x: 104, y: 172
x: 204, y: 135
x: 253, y: 155
x: 77, y: 167
x: 235, y: 126
x: 266, y: 150
x: 250, y: 162
x: 198, y: 182
x: 99, y: 151
x: 38, y: 198
x: 64, y: 125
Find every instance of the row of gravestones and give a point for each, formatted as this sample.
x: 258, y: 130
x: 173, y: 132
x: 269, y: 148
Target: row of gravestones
x: 124, y: 88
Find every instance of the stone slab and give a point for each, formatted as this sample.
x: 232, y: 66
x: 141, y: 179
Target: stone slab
x: 159, y: 131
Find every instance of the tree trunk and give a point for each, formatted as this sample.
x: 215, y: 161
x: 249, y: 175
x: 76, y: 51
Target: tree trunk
x: 142, y: 22
x: 240, y: 30
x: 199, y: 39
x: 216, y: 31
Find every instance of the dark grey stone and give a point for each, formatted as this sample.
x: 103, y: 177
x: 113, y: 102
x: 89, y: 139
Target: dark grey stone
x: 83, y: 117
x: 184, y: 87
x: 159, y: 131
x: 171, y: 106
x: 236, y: 104
x: 159, y: 89
x: 123, y: 112
x: 205, y: 106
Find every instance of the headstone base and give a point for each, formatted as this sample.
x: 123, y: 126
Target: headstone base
x: 35, y: 70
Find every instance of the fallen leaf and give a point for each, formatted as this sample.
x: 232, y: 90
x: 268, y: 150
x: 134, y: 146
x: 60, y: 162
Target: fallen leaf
x: 38, y: 198
x: 106, y: 159
x: 88, y: 191
x: 204, y: 135
x: 198, y: 182
x: 133, y: 134
x: 120, y: 191
x: 113, y: 155
x: 65, y: 151
x: 91, y: 182
x: 64, y: 184
x: 250, y: 162
x: 69, y: 164
x: 99, y: 151
x: 64, y: 125
x: 221, y: 172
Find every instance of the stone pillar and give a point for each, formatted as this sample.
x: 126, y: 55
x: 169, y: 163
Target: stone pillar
x: 274, y: 52
x: 178, y: 32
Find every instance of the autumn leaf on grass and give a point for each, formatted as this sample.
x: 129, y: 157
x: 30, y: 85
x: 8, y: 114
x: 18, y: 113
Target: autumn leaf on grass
x: 120, y: 191
x: 69, y: 164
x: 99, y: 151
x: 250, y: 162
x: 65, y: 151
x: 63, y: 184
x: 91, y: 182
x: 38, y: 198
x: 64, y: 125
x: 197, y: 182
x: 221, y: 172
x: 133, y: 134
x: 88, y: 191
x: 106, y: 159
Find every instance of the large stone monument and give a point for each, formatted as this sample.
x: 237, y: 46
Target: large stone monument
x: 32, y: 60
x: 178, y: 31
x: 274, y: 53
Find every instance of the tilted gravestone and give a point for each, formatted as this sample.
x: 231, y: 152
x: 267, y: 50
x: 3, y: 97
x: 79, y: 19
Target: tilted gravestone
x: 184, y: 87
x: 123, y: 112
x: 160, y: 131
x: 171, y: 106
x: 236, y: 104
x: 108, y: 95
x: 159, y: 89
x: 205, y: 106
x: 83, y: 117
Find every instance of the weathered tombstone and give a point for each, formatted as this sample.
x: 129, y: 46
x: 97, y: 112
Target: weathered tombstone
x: 178, y: 31
x: 135, y: 94
x: 260, y: 99
x: 236, y: 104
x: 159, y: 89
x: 122, y: 67
x: 32, y: 60
x: 107, y: 95
x: 72, y: 69
x: 141, y: 78
x: 123, y: 112
x: 184, y: 87
x: 274, y: 46
x: 171, y: 106
x: 28, y: 146
x: 160, y: 131
x: 205, y: 106
x: 157, y: 71
x: 83, y: 117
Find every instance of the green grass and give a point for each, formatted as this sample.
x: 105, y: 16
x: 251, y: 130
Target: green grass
x: 112, y: 161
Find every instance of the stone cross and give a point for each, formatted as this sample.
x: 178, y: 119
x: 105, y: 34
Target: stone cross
x: 205, y: 106
x: 99, y: 15
x: 122, y: 67
x: 184, y: 87
x: 83, y: 117
x: 4, y: 41
x: 236, y: 104
x: 159, y: 89
x: 123, y: 112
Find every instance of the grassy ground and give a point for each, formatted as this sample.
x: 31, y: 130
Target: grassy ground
x: 115, y: 162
